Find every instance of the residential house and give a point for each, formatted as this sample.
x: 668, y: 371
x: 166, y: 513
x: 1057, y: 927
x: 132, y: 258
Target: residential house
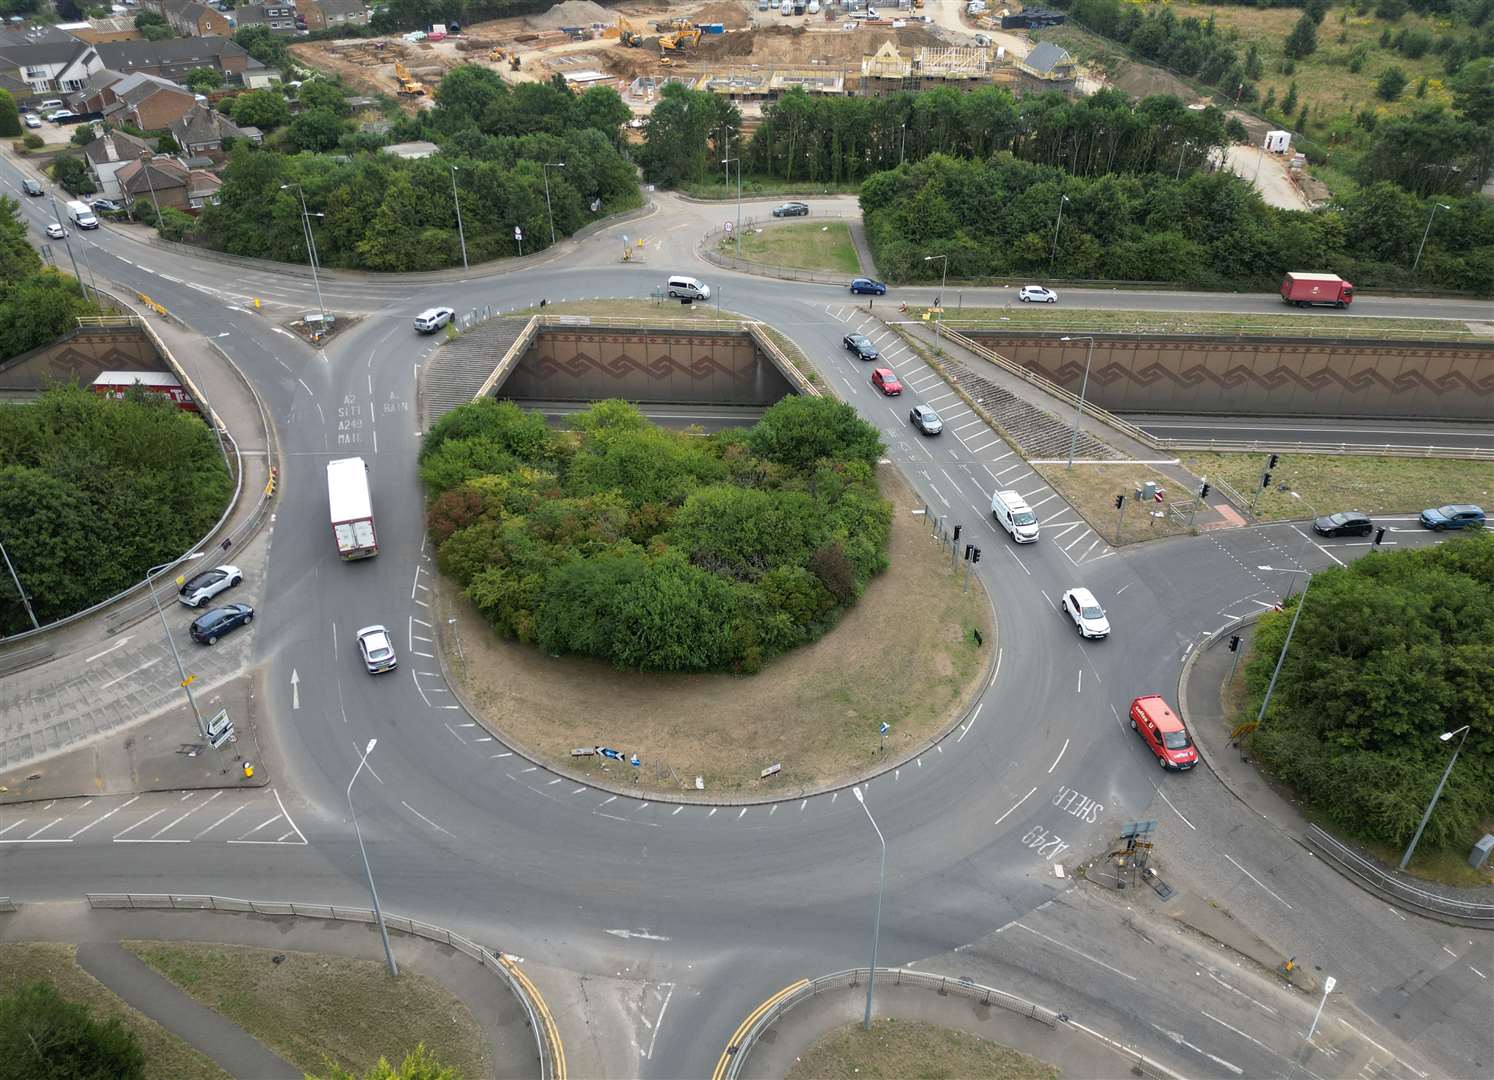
x: 1048, y: 62
x: 111, y: 152
x: 147, y: 102
x: 191, y: 19
x: 174, y: 57
x: 200, y: 132
x: 43, y: 62
x: 331, y: 14
x: 114, y: 28
x: 164, y: 181
x: 282, y: 18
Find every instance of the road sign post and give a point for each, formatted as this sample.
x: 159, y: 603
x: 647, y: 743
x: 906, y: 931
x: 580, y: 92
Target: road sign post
x: 886, y: 727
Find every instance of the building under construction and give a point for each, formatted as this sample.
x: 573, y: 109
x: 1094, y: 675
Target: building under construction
x: 890, y: 69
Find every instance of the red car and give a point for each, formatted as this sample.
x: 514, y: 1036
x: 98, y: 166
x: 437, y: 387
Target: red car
x: 1163, y: 732
x: 885, y: 380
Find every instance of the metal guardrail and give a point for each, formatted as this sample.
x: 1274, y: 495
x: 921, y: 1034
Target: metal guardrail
x: 1354, y: 865
x: 1325, y: 329
x: 7, y: 904
x: 548, y: 1045
x: 765, y: 342
x: 1226, y: 446
x: 741, y: 1049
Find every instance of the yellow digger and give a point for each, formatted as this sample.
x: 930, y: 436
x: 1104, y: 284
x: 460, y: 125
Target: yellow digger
x: 680, y: 40
x: 408, y: 86
x: 627, y: 33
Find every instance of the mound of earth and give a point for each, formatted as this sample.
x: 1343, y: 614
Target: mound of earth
x: 572, y: 13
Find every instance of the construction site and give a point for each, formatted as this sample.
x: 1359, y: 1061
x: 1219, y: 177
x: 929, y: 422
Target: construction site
x: 750, y: 50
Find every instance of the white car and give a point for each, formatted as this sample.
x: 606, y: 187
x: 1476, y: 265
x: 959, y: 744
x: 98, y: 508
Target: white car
x: 200, y: 588
x: 55, y: 230
x: 1089, y: 617
x: 377, y: 649
x: 1036, y: 294
x: 32, y: 120
x: 432, y: 319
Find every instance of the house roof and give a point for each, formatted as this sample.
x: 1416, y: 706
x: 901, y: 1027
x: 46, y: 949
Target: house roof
x: 202, y: 182
x: 155, y: 174
x: 139, y: 85
x: 1046, y: 56
x: 126, y: 148
x: 128, y: 55
x: 41, y: 50
x: 202, y: 124
x: 341, y: 7
x: 101, y: 80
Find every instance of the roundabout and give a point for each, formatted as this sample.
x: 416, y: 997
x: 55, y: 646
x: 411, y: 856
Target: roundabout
x: 650, y: 928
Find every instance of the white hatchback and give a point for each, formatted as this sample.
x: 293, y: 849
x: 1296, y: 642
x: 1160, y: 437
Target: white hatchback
x: 1089, y: 617
x: 1036, y: 294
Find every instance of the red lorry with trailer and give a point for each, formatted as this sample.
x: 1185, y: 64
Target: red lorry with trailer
x: 1316, y: 290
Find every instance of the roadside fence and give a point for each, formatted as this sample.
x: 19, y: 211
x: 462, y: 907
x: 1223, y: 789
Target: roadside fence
x: 1353, y: 865
x: 1320, y: 330
x: 548, y: 1046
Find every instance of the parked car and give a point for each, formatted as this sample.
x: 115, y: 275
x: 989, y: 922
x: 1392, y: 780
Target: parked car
x: 1457, y: 516
x: 64, y: 116
x: 200, y: 588
x: 925, y: 420
x: 791, y: 209
x: 1163, y: 732
x: 55, y: 230
x: 31, y: 187
x: 104, y: 205
x: 377, y: 649
x: 860, y: 345
x: 1036, y: 294
x: 432, y: 319
x: 1349, y: 523
x: 885, y: 380
x: 208, y: 627
x: 867, y: 285
x: 1089, y: 617
x: 32, y: 120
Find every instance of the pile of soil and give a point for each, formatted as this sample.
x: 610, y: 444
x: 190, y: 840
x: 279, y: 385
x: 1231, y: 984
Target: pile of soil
x: 796, y: 46
x: 572, y: 13
x: 731, y: 15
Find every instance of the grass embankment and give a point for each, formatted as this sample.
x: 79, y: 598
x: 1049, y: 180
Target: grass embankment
x: 166, y: 1056
x: 313, y: 1007
x: 1019, y: 316
x: 800, y: 245
x: 1091, y: 490
x: 1328, y: 484
x: 895, y: 1049
x: 757, y: 188
x: 904, y: 654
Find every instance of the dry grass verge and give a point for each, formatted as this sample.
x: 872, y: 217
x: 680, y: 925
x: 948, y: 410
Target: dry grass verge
x: 1091, y: 490
x: 166, y: 1056
x: 804, y: 245
x: 895, y: 1049
x: 905, y: 654
x: 312, y: 1008
x: 1019, y: 316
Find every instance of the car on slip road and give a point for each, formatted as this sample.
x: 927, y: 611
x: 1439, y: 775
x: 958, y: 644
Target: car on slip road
x: 869, y: 286
x: 860, y: 345
x: 1456, y: 516
x: 791, y: 209
x: 1348, y: 523
x: 200, y: 588
x: 208, y: 627
x: 885, y: 380
x: 1036, y: 294
x: 1080, y: 605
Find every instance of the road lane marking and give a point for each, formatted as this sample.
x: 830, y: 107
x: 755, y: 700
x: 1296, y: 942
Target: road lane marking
x: 188, y: 813
x: 1059, y: 758
x: 1014, y: 805
x: 103, y: 817
x: 110, y: 649
x: 220, y: 821
x: 44, y: 828
x: 1070, y: 948
x: 1255, y: 879
x: 423, y: 818
x: 139, y: 823
x: 127, y: 674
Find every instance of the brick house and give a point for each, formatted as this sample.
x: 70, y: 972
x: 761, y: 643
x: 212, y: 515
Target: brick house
x: 282, y: 18
x: 164, y: 181
x: 144, y: 101
x: 174, y: 57
x: 201, y: 131
x: 192, y: 19
x: 331, y: 14
x: 111, y: 152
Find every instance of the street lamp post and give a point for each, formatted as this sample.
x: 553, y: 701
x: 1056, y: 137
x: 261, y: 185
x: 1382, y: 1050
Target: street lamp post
x: 1446, y: 736
x: 20, y: 591
x: 1083, y: 388
x: 461, y: 233
x: 1056, y: 225
x: 939, y: 302
x: 1287, y: 644
x: 738, y: 233
x: 58, y: 218
x: 378, y: 912
x: 310, y: 249
x: 871, y: 975
x: 1435, y: 207
x: 546, y: 170
x: 186, y: 683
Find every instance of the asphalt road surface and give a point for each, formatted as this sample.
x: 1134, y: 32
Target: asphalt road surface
x: 725, y: 905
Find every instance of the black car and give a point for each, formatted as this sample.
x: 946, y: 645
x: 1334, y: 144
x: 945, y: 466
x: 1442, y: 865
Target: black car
x: 791, y: 209
x: 867, y: 285
x: 102, y: 205
x: 208, y: 627
x: 1352, y: 523
x: 31, y: 187
x: 861, y: 346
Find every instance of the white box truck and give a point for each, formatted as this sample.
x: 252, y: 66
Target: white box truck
x: 1014, y: 515
x: 352, y: 509
x: 82, y: 215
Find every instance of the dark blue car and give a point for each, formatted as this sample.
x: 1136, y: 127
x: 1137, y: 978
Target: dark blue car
x: 208, y: 627
x: 1464, y: 516
x: 867, y: 285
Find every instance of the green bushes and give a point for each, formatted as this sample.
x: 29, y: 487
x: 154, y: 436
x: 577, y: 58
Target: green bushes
x: 1389, y: 652
x: 93, y: 492
x: 655, y: 550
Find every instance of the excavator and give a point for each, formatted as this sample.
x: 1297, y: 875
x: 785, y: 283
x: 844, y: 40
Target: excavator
x: 627, y: 33
x: 408, y: 86
x: 680, y: 39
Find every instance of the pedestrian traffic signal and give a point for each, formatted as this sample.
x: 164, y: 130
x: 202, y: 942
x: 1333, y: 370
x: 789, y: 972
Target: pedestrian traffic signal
x: 1203, y: 492
x: 1274, y: 459
x: 976, y: 556
x: 1120, y: 500
x: 1265, y: 481
x: 1379, y: 535
x: 1234, y: 642
x: 968, y: 549
x: 957, y: 533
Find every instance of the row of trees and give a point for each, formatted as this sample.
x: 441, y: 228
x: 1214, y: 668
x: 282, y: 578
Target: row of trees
x: 1389, y: 652
x: 657, y: 550
x: 76, y: 466
x: 1000, y: 218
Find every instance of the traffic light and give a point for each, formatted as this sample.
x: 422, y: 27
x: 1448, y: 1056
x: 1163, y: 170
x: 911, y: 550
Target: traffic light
x: 968, y: 549
x: 1120, y: 500
x: 976, y: 556
x: 1265, y: 481
x: 957, y: 533
x: 1379, y: 535
x: 1272, y: 463
x: 1234, y: 642
x: 1203, y: 492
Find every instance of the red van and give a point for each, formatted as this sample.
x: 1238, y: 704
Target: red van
x: 1162, y: 731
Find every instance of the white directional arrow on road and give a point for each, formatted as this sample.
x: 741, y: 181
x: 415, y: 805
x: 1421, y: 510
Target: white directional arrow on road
x: 295, y: 689
x: 644, y: 934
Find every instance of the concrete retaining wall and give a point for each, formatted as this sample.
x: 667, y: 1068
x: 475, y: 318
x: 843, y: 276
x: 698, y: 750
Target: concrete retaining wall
x: 79, y: 357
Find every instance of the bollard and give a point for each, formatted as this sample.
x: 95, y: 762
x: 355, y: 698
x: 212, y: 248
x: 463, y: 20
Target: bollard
x: 248, y: 770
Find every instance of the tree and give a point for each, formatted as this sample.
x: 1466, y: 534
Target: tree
x: 799, y: 431
x: 156, y: 32
x: 1302, y: 42
x: 72, y: 173
x: 10, y: 116
x: 45, y: 1037
x: 419, y: 1064
x: 149, y: 18
x: 316, y: 130
x: 1390, y: 84
x: 1317, y: 10
x: 326, y: 96
x: 260, y: 108
x: 18, y: 259
x: 262, y: 43
x: 174, y: 224
x: 84, y: 135
x: 202, y: 80
x: 1289, y: 102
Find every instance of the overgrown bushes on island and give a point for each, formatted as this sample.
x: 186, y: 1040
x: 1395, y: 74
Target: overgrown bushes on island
x: 658, y: 550
x: 1389, y: 653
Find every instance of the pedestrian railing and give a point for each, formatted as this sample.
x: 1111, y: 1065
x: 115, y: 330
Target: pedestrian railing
x: 1323, y: 330
x: 1247, y: 446
x: 548, y: 1044
x: 1354, y: 865
x: 7, y: 904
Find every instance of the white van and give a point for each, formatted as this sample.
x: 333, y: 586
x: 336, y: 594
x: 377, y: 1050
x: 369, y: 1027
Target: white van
x: 689, y: 288
x: 786, y: 8
x: 1014, y: 515
x: 82, y: 215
